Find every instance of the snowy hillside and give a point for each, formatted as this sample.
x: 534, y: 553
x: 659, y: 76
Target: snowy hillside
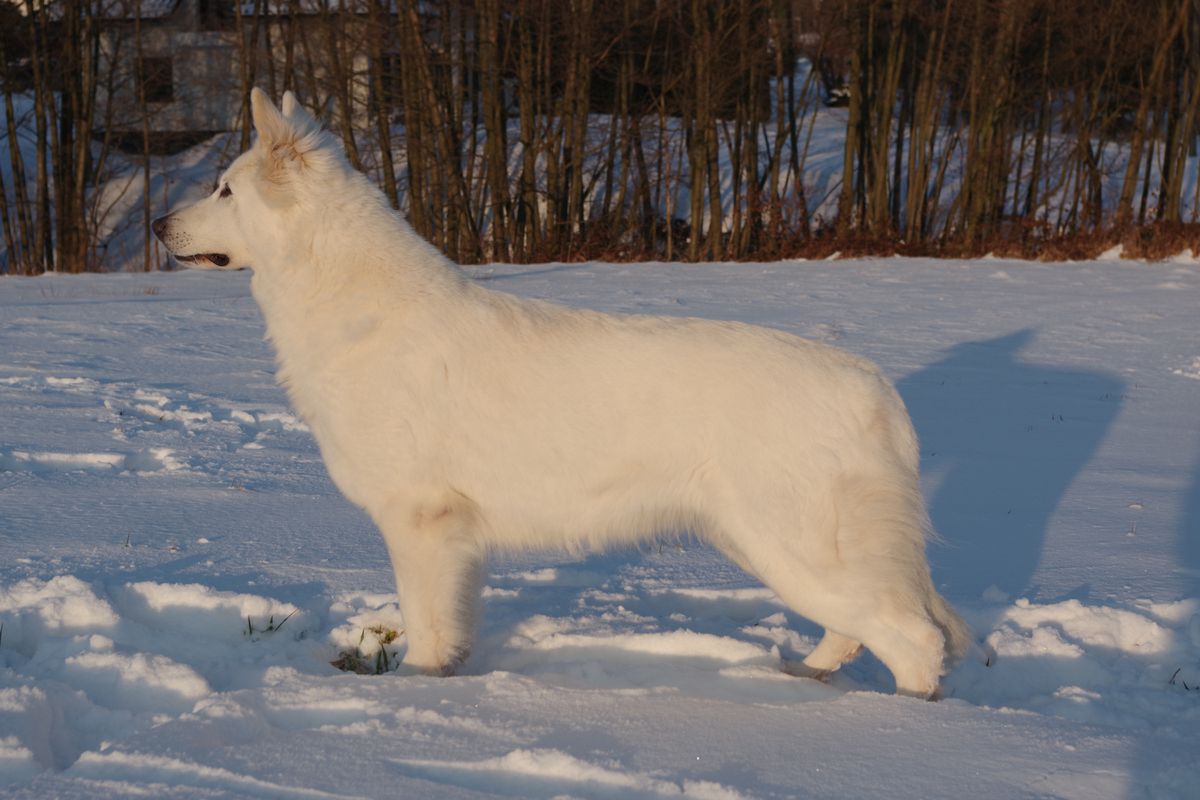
x: 177, y: 571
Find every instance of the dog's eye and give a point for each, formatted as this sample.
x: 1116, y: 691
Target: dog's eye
x: 225, y: 191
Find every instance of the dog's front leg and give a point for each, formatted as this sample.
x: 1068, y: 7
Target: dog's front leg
x: 439, y: 570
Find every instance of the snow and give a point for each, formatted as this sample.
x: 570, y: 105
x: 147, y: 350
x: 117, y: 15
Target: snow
x: 177, y: 572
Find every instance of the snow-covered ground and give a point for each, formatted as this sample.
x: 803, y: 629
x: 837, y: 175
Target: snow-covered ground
x: 177, y: 572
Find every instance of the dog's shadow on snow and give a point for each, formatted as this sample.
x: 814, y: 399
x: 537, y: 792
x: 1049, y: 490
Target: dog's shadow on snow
x: 1002, y: 439
x: 1189, y: 528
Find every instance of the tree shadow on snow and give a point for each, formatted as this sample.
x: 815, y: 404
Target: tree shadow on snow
x: 1002, y: 439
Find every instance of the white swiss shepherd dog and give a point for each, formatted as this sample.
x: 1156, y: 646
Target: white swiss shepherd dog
x: 465, y: 420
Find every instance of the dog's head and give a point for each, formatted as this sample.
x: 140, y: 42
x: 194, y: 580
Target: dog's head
x: 248, y: 210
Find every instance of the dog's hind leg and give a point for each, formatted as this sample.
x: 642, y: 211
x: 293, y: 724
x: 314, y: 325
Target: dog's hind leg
x: 897, y: 631
x: 859, y: 573
x: 439, y: 569
x: 784, y: 572
x: 831, y: 652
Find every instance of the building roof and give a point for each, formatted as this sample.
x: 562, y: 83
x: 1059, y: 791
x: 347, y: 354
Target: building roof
x: 106, y: 9
x: 281, y: 8
x: 131, y: 9
x: 161, y: 9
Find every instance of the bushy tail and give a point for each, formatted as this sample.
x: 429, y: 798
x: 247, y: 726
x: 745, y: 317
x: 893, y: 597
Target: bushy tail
x: 959, y: 640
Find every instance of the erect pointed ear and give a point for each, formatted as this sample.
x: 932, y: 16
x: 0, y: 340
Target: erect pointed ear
x: 287, y: 142
x: 297, y: 114
x: 290, y: 103
x: 271, y: 126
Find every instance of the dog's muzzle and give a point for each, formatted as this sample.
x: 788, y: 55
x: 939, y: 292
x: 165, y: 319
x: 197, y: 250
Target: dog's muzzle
x: 159, y: 226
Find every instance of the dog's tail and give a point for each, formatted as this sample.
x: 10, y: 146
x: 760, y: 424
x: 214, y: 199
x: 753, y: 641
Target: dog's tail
x: 960, y: 642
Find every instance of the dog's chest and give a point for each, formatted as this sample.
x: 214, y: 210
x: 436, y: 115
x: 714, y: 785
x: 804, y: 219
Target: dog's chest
x: 369, y: 407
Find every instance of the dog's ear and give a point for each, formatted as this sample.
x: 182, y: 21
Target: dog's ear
x: 272, y: 127
x: 288, y: 142
x: 297, y: 114
x: 290, y: 103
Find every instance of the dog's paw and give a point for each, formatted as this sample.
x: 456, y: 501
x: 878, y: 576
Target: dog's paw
x: 799, y: 669
x: 443, y: 667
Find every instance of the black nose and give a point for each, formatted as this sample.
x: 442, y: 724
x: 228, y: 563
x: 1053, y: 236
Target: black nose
x: 159, y: 226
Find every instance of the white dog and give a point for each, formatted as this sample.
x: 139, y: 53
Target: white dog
x: 463, y: 419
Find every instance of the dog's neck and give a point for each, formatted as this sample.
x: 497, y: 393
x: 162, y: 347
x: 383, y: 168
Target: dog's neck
x: 349, y: 248
x: 318, y: 295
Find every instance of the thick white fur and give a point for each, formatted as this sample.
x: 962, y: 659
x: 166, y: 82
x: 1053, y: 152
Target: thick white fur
x: 463, y: 419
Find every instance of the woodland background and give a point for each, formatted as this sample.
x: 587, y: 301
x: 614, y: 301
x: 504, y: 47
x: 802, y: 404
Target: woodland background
x: 563, y: 130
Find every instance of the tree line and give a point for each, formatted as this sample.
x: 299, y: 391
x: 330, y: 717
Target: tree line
x: 532, y: 130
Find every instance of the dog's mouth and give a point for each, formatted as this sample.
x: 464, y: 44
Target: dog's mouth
x: 216, y: 259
